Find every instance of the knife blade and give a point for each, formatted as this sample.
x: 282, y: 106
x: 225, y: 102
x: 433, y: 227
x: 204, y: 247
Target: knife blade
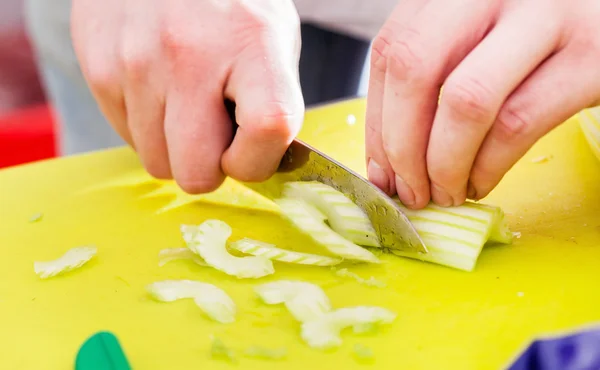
x: 302, y: 162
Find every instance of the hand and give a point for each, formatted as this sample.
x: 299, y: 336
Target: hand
x: 511, y: 71
x: 161, y: 70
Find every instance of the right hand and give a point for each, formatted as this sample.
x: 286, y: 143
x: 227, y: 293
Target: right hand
x: 160, y: 72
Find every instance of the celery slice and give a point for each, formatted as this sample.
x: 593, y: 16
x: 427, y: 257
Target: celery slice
x: 270, y: 251
x: 455, y: 236
x: 212, y: 300
x: 173, y: 254
x: 301, y: 214
x: 363, y: 353
x: 36, y: 217
x: 305, y: 301
x: 219, y: 351
x: 266, y: 353
x: 73, y: 259
x: 323, y: 332
x: 209, y: 241
x: 368, y: 282
x: 343, y: 215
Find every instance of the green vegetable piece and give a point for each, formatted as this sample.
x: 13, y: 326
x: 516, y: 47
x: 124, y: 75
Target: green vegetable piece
x: 363, y: 353
x: 101, y: 351
x: 219, y: 351
x: 266, y: 353
x: 36, y: 217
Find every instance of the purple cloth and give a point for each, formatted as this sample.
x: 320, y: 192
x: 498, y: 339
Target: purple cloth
x: 579, y: 351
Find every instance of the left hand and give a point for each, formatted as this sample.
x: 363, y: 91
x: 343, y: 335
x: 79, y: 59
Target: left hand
x: 512, y: 70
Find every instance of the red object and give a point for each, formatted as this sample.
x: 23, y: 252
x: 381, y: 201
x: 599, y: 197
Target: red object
x: 27, y: 135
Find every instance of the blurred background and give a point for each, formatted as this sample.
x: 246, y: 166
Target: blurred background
x: 27, y: 130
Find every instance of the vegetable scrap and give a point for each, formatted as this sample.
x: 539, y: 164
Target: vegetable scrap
x: 73, y: 259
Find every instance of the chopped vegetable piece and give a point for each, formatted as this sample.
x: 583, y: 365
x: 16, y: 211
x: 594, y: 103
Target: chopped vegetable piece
x: 270, y: 251
x: 367, y: 328
x: 266, y: 353
x: 305, y: 301
x: 209, y: 241
x: 36, y: 217
x: 172, y: 254
x: 211, y: 299
x: 343, y: 215
x: 219, y: 351
x: 324, y: 331
x: 300, y: 214
x: 363, y: 353
x: 541, y: 159
x: 368, y: 282
x: 73, y: 259
x: 455, y: 236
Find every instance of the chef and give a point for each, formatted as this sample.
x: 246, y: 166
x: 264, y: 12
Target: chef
x: 158, y: 71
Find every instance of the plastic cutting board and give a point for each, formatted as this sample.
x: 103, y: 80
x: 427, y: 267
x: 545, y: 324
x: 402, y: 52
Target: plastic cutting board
x: 547, y: 282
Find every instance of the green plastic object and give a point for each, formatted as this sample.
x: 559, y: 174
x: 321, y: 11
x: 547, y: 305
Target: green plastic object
x: 101, y: 351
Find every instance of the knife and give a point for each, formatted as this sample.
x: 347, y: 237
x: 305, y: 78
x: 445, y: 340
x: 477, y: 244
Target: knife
x: 302, y: 162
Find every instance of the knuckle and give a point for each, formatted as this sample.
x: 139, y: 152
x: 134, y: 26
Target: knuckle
x: 469, y: 98
x: 379, y: 49
x: 175, y: 41
x: 102, y: 77
x: 135, y: 63
x: 511, y: 123
x: 275, y: 122
x: 405, y: 61
x: 442, y: 176
x: 394, y: 152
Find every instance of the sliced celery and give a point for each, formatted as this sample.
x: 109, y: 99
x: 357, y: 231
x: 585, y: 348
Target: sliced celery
x: 301, y: 214
x: 73, y: 259
x: 343, y: 215
x: 266, y: 353
x: 173, y: 254
x: 368, y: 282
x: 270, y: 251
x: 209, y: 239
x: 455, y: 236
x: 305, y: 301
x: 363, y: 353
x: 219, y: 351
x: 211, y: 299
x: 324, y: 331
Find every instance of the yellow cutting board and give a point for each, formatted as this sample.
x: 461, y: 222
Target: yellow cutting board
x: 545, y: 283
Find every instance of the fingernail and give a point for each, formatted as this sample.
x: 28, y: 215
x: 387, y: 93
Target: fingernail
x: 405, y: 193
x: 441, y: 197
x: 471, y: 192
x: 378, y: 176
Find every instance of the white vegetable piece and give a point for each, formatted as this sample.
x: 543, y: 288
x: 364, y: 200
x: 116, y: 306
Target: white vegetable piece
x: 368, y: 282
x: 211, y: 299
x: 324, y: 331
x: 172, y: 254
x: 343, y: 215
x: 74, y: 258
x: 305, y: 301
x: 455, y: 236
x: 302, y: 215
x: 270, y: 251
x: 209, y: 241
